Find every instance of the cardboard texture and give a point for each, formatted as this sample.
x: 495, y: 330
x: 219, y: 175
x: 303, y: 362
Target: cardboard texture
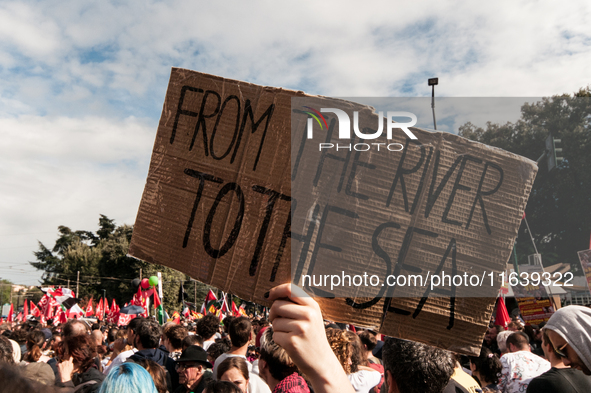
x: 221, y: 189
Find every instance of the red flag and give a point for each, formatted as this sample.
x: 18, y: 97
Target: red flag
x: 10, y: 312
x: 25, y: 310
x: 106, y: 306
x: 502, y: 317
x: 235, y: 311
x: 34, y: 310
x: 210, y: 296
x: 100, y: 311
x: 89, y: 311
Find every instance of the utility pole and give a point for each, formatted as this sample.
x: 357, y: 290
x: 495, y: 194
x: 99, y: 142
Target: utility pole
x: 68, y: 283
x: 77, y: 283
x: 432, y: 83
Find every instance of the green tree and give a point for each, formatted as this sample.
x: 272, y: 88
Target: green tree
x: 559, y: 207
x: 103, y: 264
x: 5, y: 288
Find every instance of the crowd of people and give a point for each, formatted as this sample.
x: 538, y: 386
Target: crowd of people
x: 294, y: 351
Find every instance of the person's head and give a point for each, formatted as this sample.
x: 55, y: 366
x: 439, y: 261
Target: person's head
x: 569, y: 332
x: 147, y: 334
x: 341, y: 345
x: 369, y: 341
x: 240, y: 332
x: 112, y: 335
x: 414, y: 367
x: 514, y: 326
x: 491, y: 334
x: 128, y: 378
x: 234, y: 369
x: 192, y: 339
x: 274, y: 362
x: 221, y: 387
x: 173, y: 337
x: 358, y: 357
x: 486, y: 367
x: 74, y: 328
x: 6, y: 351
x: 215, y: 350
x: 35, y: 343
x: 518, y: 341
x: 502, y: 340
x: 97, y: 336
x: 156, y: 371
x: 82, y: 349
x: 191, y: 366
x: 208, y: 326
x: 227, y: 321
x: 132, y: 327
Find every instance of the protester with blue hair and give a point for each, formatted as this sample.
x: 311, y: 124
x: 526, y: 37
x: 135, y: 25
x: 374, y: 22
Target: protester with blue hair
x: 128, y: 378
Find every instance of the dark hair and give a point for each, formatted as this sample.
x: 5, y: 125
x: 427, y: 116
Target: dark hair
x: 417, y: 367
x: 5, y: 350
x: 221, y: 387
x: 208, y: 326
x: 233, y: 362
x: 149, y: 333
x: 176, y: 334
x: 35, y: 341
x: 216, y: 349
x: 157, y: 372
x: 519, y: 340
x: 227, y: 322
x: 278, y: 360
x: 112, y: 335
x: 82, y: 348
x: 20, y: 336
x: 368, y: 339
x: 135, y: 323
x: 240, y: 330
x: 192, y: 339
x: 488, y: 365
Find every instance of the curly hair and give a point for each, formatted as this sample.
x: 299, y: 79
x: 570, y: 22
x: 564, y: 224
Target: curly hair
x: 81, y: 348
x: 208, y: 326
x: 416, y: 367
x: 341, y: 345
x: 488, y: 365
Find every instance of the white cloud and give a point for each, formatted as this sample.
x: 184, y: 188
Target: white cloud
x: 77, y: 77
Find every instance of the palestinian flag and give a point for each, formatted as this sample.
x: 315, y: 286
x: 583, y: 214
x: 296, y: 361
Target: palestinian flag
x: 159, y: 309
x: 209, y: 300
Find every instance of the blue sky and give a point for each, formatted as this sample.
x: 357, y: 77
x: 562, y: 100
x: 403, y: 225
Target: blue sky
x: 82, y: 83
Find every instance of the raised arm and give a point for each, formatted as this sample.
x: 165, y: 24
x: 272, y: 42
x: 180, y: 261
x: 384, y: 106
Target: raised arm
x: 299, y: 329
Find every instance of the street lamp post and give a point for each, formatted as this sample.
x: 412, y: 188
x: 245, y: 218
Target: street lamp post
x: 432, y: 83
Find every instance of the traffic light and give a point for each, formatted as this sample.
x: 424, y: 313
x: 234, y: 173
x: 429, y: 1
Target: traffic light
x: 553, y: 152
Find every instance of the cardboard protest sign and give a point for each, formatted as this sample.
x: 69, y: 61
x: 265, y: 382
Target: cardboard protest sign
x: 232, y: 197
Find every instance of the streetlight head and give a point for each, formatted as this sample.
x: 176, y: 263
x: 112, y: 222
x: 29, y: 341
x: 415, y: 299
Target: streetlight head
x: 433, y: 81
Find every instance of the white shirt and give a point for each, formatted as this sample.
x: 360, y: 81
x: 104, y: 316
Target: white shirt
x: 223, y: 357
x: 257, y: 385
x: 519, y: 368
x: 364, y: 380
x: 121, y: 358
x: 206, y: 344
